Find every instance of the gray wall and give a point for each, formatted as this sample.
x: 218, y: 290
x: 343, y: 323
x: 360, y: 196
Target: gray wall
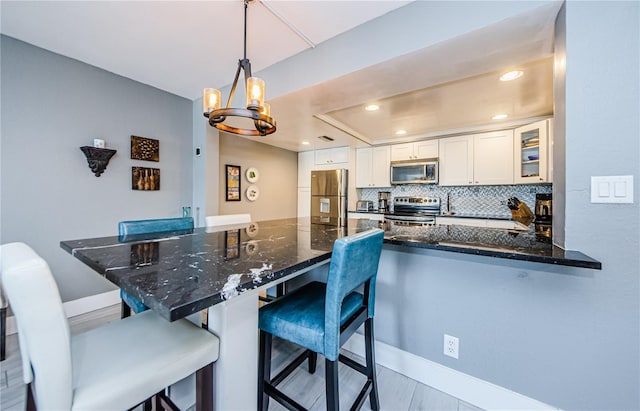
x: 565, y: 336
x: 278, y: 178
x: 52, y: 105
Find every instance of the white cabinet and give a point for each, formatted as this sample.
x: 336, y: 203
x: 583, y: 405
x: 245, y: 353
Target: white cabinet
x: 414, y: 151
x: 306, y: 161
x: 366, y: 216
x: 304, y: 201
x: 478, y: 159
x: 531, y: 153
x: 456, y: 161
x: 373, y: 167
x: 482, y: 222
x: 493, y: 158
x: 332, y: 156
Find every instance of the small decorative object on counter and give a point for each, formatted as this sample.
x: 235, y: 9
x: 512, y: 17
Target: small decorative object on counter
x: 520, y: 211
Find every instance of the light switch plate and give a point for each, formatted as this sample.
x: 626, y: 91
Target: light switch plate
x: 612, y: 189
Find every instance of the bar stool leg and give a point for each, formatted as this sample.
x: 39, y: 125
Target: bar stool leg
x: 264, y: 369
x: 313, y: 361
x: 331, y: 380
x: 3, y: 331
x: 371, y: 364
x: 125, y: 310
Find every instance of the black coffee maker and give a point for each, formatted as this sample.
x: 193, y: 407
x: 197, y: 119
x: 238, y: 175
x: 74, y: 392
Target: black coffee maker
x: 544, y: 208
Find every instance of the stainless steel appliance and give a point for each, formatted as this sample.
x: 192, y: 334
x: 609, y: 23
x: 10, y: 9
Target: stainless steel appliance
x: 544, y: 209
x: 414, y: 211
x: 329, y: 197
x: 364, y: 205
x: 415, y: 171
x: 383, y: 201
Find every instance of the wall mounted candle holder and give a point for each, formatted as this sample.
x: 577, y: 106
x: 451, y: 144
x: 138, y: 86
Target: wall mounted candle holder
x: 98, y: 158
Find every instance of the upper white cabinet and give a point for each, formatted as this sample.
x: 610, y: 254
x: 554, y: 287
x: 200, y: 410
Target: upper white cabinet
x: 332, y: 156
x: 306, y: 160
x: 414, y: 151
x: 493, y: 158
x: 456, y: 161
x: 479, y: 159
x: 531, y: 150
x: 372, y: 167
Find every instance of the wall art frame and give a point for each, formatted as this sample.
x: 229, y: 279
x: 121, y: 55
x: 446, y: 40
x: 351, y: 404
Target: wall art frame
x: 232, y: 182
x: 143, y: 148
x: 232, y: 244
x: 145, y: 179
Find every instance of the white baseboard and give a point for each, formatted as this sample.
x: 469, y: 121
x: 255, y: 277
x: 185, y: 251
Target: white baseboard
x: 472, y: 390
x: 77, y: 307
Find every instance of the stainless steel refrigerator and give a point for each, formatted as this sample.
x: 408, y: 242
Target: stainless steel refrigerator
x: 329, y: 197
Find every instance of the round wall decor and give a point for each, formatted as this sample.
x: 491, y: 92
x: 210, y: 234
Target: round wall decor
x: 253, y: 193
x: 252, y: 175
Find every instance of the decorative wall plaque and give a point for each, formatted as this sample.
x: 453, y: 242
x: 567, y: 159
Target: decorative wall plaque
x: 143, y: 178
x: 143, y: 148
x: 98, y: 158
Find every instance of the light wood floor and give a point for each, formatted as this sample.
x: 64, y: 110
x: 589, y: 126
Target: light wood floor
x: 396, y: 391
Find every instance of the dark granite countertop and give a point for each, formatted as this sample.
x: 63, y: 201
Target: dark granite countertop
x: 532, y: 245
x: 482, y: 216
x: 180, y: 273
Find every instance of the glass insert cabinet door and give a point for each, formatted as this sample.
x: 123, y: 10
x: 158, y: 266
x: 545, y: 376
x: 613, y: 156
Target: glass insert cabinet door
x: 532, y: 153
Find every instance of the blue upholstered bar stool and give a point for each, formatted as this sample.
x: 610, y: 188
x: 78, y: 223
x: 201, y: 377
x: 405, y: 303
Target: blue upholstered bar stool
x: 139, y: 227
x: 321, y: 317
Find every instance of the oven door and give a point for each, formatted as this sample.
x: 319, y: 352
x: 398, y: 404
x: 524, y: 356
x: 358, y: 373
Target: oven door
x: 404, y: 221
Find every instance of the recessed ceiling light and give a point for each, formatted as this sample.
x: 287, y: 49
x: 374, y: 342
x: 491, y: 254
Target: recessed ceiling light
x: 305, y: 143
x: 511, y: 75
x: 401, y: 132
x: 372, y: 107
x: 499, y: 116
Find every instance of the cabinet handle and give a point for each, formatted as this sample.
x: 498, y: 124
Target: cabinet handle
x: 476, y: 182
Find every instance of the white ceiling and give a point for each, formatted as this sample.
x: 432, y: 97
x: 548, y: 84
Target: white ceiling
x: 183, y: 46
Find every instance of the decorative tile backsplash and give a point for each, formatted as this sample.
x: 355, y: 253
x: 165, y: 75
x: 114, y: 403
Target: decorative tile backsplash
x: 466, y: 200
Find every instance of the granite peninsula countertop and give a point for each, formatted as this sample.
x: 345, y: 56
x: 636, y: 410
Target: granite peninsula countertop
x: 180, y: 273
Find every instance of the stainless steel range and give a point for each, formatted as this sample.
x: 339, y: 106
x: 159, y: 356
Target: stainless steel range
x: 415, y: 211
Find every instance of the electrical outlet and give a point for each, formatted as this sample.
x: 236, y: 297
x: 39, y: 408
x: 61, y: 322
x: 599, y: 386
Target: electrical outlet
x: 451, y: 346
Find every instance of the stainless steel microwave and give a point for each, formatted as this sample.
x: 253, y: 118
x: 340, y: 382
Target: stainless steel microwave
x: 415, y: 171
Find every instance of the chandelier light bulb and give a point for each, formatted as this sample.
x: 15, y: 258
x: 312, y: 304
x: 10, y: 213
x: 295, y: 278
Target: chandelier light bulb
x: 255, y: 93
x: 210, y: 100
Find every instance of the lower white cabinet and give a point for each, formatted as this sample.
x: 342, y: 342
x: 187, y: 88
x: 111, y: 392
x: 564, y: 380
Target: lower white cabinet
x: 366, y: 216
x: 481, y: 222
x: 373, y: 167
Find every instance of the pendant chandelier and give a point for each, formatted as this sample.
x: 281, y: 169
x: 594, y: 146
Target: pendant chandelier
x: 256, y: 110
